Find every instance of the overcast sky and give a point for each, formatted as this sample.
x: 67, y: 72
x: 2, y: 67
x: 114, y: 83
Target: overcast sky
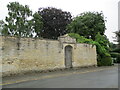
x: 109, y: 8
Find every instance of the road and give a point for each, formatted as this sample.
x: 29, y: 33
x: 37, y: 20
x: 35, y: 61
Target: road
x: 88, y: 78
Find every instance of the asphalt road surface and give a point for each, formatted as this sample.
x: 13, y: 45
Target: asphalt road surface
x: 93, y: 78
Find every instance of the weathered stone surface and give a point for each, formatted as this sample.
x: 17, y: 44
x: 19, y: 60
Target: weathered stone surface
x: 28, y: 54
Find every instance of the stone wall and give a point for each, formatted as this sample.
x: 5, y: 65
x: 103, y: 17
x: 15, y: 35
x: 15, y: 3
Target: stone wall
x: 21, y: 55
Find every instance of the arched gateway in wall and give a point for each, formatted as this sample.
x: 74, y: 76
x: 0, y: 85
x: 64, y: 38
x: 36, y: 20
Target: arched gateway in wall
x: 68, y: 45
x: 68, y: 56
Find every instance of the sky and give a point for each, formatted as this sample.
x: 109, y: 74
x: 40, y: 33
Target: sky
x: 108, y: 7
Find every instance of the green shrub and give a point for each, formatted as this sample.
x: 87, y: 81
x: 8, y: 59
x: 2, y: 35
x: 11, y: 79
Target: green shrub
x: 117, y: 56
x: 106, y: 61
x: 80, y: 39
x: 118, y: 59
x: 114, y: 54
x: 103, y: 55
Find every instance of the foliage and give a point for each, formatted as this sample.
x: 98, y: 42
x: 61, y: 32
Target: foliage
x: 88, y: 24
x: 118, y: 37
x: 54, y: 22
x: 104, y: 56
x: 104, y: 42
x: 2, y: 23
x: 37, y: 24
x: 17, y: 20
x: 115, y: 53
x: 118, y: 40
x: 112, y: 46
x: 101, y: 47
x: 20, y: 21
x: 118, y: 58
x: 105, y: 61
x: 79, y: 38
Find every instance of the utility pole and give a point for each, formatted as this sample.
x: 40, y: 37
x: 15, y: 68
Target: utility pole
x: 119, y: 15
x: 118, y: 24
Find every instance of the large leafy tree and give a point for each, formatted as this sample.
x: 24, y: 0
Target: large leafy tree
x: 88, y: 24
x: 37, y: 24
x: 54, y: 22
x: 116, y: 51
x: 17, y: 23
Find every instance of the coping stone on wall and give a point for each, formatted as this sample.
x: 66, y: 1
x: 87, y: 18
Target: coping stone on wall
x: 66, y: 39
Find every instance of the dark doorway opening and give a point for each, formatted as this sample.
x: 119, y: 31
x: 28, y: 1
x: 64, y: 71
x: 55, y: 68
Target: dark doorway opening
x: 68, y: 56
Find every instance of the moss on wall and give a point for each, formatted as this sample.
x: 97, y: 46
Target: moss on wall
x: 40, y: 54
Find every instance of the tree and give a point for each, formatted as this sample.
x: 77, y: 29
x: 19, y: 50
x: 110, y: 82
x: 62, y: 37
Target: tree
x: 88, y: 24
x: 17, y: 23
x: 103, y: 52
x: 118, y: 38
x: 1, y: 26
x: 37, y: 24
x: 101, y: 42
x: 117, y: 50
x: 54, y: 22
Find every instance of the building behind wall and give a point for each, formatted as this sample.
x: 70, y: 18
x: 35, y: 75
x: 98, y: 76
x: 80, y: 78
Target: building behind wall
x: 21, y: 55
